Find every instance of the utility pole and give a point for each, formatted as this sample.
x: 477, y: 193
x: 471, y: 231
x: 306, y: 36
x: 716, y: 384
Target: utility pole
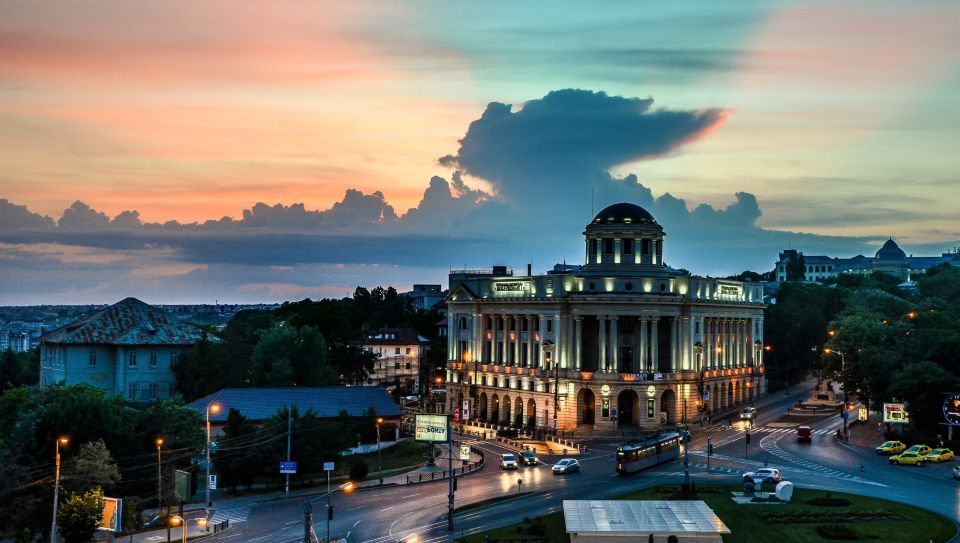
x: 56, y: 491
x: 159, y: 478
x: 289, y: 425
x: 450, y: 474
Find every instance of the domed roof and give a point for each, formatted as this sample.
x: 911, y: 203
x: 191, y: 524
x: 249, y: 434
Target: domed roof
x: 624, y: 213
x: 891, y: 251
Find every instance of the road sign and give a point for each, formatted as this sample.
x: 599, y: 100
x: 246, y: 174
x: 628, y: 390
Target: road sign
x: 212, y: 483
x: 465, y: 453
x: 288, y: 467
x: 845, y: 415
x: 328, y: 466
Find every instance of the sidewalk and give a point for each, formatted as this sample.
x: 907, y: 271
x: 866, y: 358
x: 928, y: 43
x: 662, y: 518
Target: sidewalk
x: 798, y: 390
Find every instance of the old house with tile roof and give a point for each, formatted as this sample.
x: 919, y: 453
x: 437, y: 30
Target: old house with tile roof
x: 128, y: 349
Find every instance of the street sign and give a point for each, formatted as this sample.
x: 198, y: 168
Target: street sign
x: 288, y: 467
x: 328, y: 466
x: 845, y: 415
x: 212, y: 483
x: 431, y: 428
x: 465, y: 453
x: 112, y: 513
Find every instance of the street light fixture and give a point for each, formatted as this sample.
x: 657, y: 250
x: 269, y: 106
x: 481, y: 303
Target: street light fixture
x: 379, y: 460
x: 56, y: 489
x: 177, y: 520
x: 214, y: 408
x: 159, y: 442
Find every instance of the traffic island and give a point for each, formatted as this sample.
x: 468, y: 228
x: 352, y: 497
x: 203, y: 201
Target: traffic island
x: 811, y: 516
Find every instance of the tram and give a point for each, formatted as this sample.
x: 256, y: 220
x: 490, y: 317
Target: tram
x: 639, y: 455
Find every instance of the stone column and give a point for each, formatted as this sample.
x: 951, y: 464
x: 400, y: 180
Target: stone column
x: 495, y: 345
x: 602, y: 337
x: 516, y: 340
x: 643, y: 359
x: 674, y: 344
x: 530, y: 341
x: 578, y: 342
x: 655, y: 345
x: 614, y: 346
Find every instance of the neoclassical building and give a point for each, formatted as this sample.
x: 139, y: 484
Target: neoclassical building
x: 622, y: 341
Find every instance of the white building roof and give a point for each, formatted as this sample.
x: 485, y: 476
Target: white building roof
x: 640, y: 516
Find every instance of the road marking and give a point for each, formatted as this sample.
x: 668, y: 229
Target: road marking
x: 411, y: 495
x: 355, y: 524
x: 388, y: 508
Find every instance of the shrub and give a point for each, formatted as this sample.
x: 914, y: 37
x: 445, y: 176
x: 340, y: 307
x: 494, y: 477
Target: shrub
x: 359, y: 470
x: 837, y: 531
x: 829, y: 501
x: 538, y: 530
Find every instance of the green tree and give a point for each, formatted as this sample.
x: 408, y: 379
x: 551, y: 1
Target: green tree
x: 285, y: 356
x: 92, y: 467
x: 796, y: 268
x: 239, y: 458
x: 922, y: 386
x: 79, y: 515
x: 10, y: 371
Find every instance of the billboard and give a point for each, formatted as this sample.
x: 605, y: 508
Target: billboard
x: 951, y: 409
x: 182, y: 486
x: 431, y: 428
x: 112, y: 510
x: 895, y: 412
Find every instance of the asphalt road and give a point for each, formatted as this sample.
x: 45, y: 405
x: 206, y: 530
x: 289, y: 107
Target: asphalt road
x: 389, y: 514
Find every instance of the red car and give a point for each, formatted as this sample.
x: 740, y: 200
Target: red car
x: 804, y: 434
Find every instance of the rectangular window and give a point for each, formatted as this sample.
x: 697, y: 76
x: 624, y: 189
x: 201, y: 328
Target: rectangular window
x: 396, y: 365
x: 549, y: 325
x: 132, y: 391
x: 93, y: 358
x: 174, y: 358
x: 628, y: 246
x: 153, y: 359
x: 408, y: 365
x: 132, y: 360
x: 645, y: 247
x: 650, y: 408
x: 409, y: 351
x: 154, y: 389
x: 608, y: 246
x: 593, y: 247
x: 396, y: 351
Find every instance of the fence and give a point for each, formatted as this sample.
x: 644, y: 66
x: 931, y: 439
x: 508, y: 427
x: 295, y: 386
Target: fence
x: 516, y: 435
x: 442, y: 474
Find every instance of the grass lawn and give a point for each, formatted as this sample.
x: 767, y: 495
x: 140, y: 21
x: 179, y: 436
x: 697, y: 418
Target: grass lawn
x: 490, y: 501
x: 907, y: 525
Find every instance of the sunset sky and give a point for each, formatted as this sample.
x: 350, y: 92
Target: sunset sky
x: 824, y: 126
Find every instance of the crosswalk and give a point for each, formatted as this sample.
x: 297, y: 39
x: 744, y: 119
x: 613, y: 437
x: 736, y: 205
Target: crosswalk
x: 236, y: 514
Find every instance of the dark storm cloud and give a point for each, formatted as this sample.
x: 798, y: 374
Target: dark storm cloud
x: 14, y: 216
x: 566, y: 137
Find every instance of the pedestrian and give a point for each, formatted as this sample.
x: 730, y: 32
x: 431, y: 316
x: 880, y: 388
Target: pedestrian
x: 879, y: 427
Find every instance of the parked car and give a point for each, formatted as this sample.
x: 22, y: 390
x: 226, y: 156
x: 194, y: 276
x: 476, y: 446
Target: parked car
x: 529, y: 458
x: 909, y: 458
x: 804, y: 434
x: 891, y: 447
x: 567, y: 465
x: 508, y: 461
x: 748, y: 413
x: 938, y: 455
x: 956, y: 472
x: 766, y: 475
x: 922, y: 450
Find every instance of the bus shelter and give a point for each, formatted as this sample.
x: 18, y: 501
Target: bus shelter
x: 609, y: 521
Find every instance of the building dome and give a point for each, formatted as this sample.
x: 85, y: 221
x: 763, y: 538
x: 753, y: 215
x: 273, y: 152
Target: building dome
x: 891, y: 251
x: 624, y: 213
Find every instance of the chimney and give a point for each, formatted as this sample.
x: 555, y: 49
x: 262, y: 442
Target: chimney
x: 530, y: 269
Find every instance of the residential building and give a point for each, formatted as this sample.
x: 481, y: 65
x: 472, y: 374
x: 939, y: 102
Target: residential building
x: 399, y: 354
x: 622, y: 341
x: 424, y: 297
x: 127, y: 349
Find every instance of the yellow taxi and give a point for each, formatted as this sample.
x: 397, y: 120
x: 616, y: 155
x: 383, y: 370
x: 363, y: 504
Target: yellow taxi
x: 922, y: 450
x: 909, y: 458
x: 939, y: 455
x: 891, y: 447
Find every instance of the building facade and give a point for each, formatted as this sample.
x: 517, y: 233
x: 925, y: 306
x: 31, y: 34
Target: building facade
x: 399, y: 354
x: 889, y: 259
x: 128, y: 349
x: 622, y: 341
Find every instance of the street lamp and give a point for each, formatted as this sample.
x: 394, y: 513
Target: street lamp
x: 177, y: 520
x: 698, y: 350
x: 159, y: 442
x: 548, y: 356
x: 843, y: 360
x: 56, y: 489
x: 214, y: 408
x: 379, y: 461
x: 308, y: 509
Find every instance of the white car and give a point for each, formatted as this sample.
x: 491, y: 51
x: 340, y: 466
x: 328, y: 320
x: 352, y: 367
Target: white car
x: 764, y: 475
x: 508, y: 461
x: 956, y: 472
x: 567, y: 465
x: 748, y: 413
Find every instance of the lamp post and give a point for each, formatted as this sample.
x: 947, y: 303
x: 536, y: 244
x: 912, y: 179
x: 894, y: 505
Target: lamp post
x: 379, y: 460
x: 159, y: 442
x: 215, y: 408
x: 548, y: 356
x: 177, y: 520
x: 701, y: 404
x: 56, y: 489
x: 308, y: 510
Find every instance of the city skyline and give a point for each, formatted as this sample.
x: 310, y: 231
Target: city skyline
x: 267, y: 153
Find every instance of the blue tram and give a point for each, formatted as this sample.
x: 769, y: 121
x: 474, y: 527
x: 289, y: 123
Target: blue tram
x: 638, y: 455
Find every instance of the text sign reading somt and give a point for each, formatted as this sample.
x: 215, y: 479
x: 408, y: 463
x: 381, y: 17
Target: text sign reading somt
x: 431, y: 428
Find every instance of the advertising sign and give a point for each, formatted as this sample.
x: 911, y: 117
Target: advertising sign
x: 112, y: 512
x: 862, y: 414
x: 431, y: 428
x: 456, y: 415
x: 288, y: 467
x: 951, y: 409
x: 182, y: 486
x: 465, y: 453
x: 895, y: 412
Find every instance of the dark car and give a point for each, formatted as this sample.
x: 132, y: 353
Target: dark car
x: 804, y: 434
x: 529, y: 458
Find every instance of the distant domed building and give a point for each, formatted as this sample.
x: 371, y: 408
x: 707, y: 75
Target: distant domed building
x: 891, y: 259
x: 623, y: 341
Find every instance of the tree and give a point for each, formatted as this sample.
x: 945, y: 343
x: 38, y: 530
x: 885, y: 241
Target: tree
x: 922, y: 386
x: 80, y: 515
x: 359, y: 470
x: 92, y: 467
x: 285, y: 356
x: 10, y: 371
x: 239, y: 457
x: 796, y: 268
